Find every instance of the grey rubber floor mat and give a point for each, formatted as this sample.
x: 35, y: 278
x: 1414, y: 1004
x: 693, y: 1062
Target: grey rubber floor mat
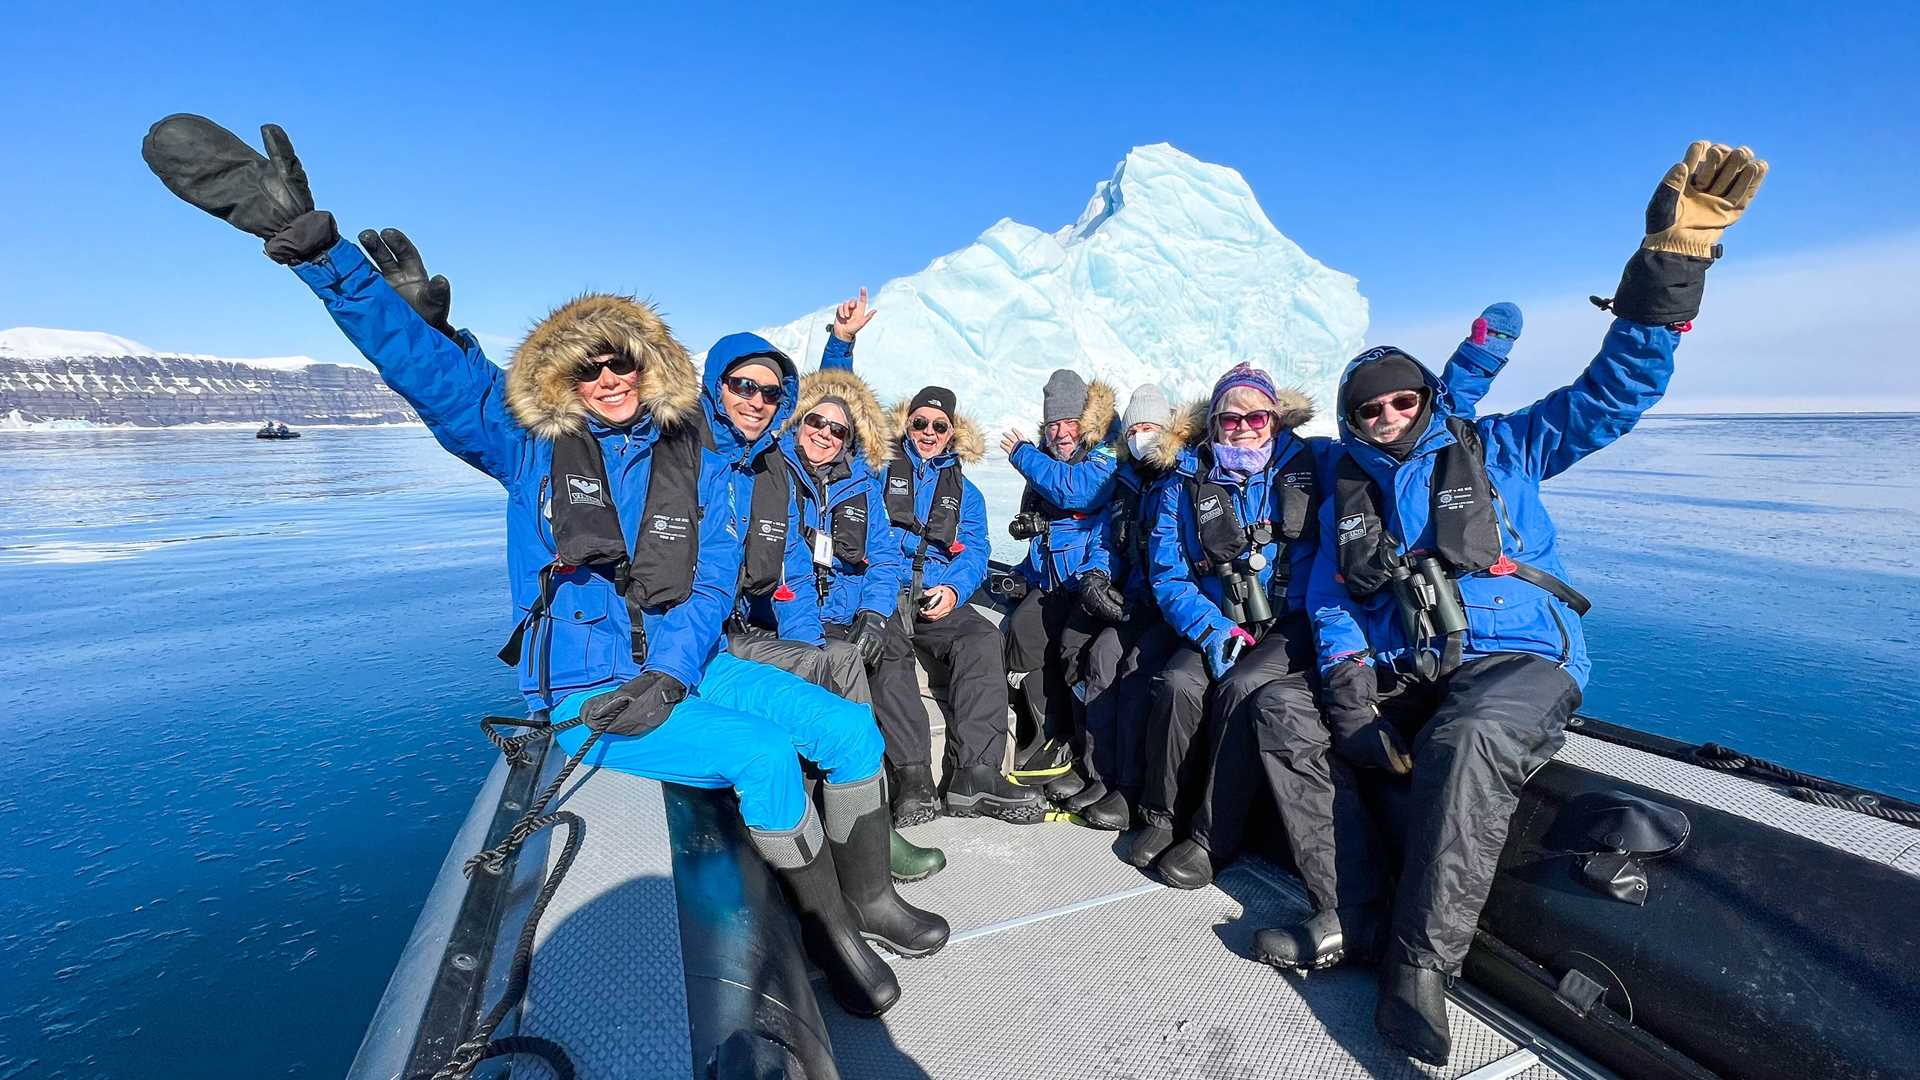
x: 1870, y: 838
x: 607, y: 981
x: 1080, y: 972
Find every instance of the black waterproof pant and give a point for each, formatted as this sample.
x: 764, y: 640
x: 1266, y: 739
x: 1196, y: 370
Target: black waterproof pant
x: 1265, y: 711
x: 1176, y: 707
x: 1046, y: 637
x: 1119, y: 668
x: 969, y: 646
x: 1476, y: 736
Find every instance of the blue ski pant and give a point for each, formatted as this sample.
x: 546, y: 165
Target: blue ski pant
x: 746, y: 726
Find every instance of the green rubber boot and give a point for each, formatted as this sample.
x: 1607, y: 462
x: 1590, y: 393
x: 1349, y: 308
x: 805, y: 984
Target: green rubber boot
x: 910, y: 862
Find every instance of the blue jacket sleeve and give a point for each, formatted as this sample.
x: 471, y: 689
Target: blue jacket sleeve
x: 1082, y: 487
x: 458, y: 392
x: 682, y: 640
x: 1182, y: 604
x: 887, y: 565
x: 1336, y: 626
x: 1468, y: 376
x: 799, y: 618
x: 1627, y: 378
x: 969, y: 569
x: 837, y: 354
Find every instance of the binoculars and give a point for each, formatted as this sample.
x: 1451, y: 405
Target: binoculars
x: 1242, y: 598
x: 1427, y: 599
x: 1026, y: 526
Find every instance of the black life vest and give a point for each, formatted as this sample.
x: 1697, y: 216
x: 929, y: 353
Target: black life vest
x: 765, y: 542
x: 1465, y: 532
x: 658, y: 572
x: 1225, y: 538
x: 942, y: 526
x: 846, y: 521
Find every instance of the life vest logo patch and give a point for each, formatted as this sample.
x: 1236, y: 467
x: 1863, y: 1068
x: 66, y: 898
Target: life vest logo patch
x: 1209, y: 508
x: 1352, y: 527
x: 896, y: 485
x: 1454, y: 498
x: 585, y: 491
x: 668, y: 529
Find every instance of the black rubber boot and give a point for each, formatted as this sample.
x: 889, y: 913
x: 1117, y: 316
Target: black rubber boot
x: 1092, y: 793
x: 1412, y: 1012
x: 980, y: 791
x: 908, y: 861
x: 1109, y: 811
x: 858, y: 833
x: 1324, y: 939
x: 914, y: 800
x: 1144, y: 844
x: 1186, y: 865
x: 1064, y: 787
x: 1042, y: 760
x: 829, y: 929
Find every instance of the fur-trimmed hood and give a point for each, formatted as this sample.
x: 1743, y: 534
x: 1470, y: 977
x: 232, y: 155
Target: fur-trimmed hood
x: 1189, y: 428
x: 969, y: 442
x: 540, y: 383
x: 1096, y: 420
x: 874, y: 430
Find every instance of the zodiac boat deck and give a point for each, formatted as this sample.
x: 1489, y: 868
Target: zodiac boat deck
x: 1067, y: 963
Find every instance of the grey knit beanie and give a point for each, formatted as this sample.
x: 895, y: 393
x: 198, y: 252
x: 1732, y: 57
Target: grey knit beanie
x: 1065, y: 397
x: 1148, y: 405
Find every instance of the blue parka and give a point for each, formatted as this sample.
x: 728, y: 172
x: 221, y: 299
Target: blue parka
x: 504, y: 424
x: 874, y: 586
x: 1523, y: 449
x: 1141, y: 488
x: 796, y: 619
x: 963, y: 567
x: 1083, y: 488
x: 1190, y: 600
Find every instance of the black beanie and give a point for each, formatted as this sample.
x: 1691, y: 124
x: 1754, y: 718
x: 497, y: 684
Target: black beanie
x: 1380, y: 371
x: 933, y: 397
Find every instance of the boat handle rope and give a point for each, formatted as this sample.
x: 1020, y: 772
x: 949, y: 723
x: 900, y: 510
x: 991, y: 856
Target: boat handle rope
x: 482, y: 1045
x: 1805, y: 787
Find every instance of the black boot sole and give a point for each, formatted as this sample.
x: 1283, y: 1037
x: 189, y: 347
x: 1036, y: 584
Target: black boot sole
x: 898, y: 949
x: 917, y: 814
x: 1320, y: 963
x: 1014, y: 813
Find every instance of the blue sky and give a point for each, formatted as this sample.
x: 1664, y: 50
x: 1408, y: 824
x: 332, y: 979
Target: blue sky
x: 744, y: 165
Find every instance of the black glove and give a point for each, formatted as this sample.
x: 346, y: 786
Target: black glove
x: 1351, y: 697
x: 210, y: 167
x: 1100, y: 599
x: 641, y: 704
x: 869, y: 636
x: 399, y: 262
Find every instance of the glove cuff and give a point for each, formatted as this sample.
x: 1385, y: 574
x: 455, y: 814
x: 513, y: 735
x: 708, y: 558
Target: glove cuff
x: 304, y: 238
x: 1699, y: 244
x: 1660, y: 288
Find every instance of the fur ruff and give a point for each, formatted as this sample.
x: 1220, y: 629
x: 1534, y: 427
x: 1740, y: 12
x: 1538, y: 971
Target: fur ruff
x: 1096, y: 420
x: 873, y: 429
x: 969, y: 443
x: 1189, y: 427
x: 540, y: 384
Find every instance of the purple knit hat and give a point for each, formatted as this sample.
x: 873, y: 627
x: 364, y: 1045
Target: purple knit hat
x: 1243, y: 374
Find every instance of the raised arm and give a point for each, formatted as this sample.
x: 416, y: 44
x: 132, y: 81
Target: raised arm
x: 1082, y: 487
x: 1482, y: 354
x: 1628, y: 376
x: 849, y: 318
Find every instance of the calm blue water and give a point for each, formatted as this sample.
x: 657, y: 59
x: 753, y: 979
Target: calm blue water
x: 239, y: 694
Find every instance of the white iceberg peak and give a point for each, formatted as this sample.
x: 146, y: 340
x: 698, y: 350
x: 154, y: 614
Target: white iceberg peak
x: 1172, y: 274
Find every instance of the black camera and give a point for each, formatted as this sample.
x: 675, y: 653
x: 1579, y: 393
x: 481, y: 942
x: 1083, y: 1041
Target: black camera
x: 1026, y: 526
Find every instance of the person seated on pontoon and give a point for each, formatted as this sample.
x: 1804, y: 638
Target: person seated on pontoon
x: 939, y: 519
x: 1063, y: 519
x: 1450, y: 645
x: 620, y: 578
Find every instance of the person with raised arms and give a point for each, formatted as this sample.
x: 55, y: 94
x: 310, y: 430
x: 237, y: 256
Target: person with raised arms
x: 939, y: 519
x: 620, y: 578
x: 1449, y: 642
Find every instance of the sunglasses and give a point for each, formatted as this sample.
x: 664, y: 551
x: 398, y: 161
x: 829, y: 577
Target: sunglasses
x: 820, y: 423
x: 746, y: 388
x: 1253, y: 421
x: 618, y: 363
x: 1406, y: 402
x: 921, y: 423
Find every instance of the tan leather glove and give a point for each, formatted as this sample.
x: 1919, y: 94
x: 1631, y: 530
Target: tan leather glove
x: 1700, y: 196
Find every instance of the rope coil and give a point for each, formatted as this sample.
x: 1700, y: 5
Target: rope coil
x: 1804, y: 787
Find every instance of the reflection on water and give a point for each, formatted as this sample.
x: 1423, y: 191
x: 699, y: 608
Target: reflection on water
x: 238, y: 707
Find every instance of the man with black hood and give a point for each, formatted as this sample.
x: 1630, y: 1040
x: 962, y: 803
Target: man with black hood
x: 1450, y: 645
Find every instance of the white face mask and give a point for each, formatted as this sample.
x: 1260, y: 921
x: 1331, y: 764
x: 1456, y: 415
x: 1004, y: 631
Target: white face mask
x: 1143, y: 442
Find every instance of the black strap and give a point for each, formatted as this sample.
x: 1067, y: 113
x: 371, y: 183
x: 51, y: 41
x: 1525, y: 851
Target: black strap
x: 765, y: 560
x: 1559, y: 589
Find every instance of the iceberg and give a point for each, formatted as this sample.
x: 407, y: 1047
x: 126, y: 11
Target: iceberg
x: 1172, y: 274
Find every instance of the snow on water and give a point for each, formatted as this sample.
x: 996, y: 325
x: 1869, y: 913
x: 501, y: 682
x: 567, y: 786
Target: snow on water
x: 1172, y: 274
x: 41, y: 343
